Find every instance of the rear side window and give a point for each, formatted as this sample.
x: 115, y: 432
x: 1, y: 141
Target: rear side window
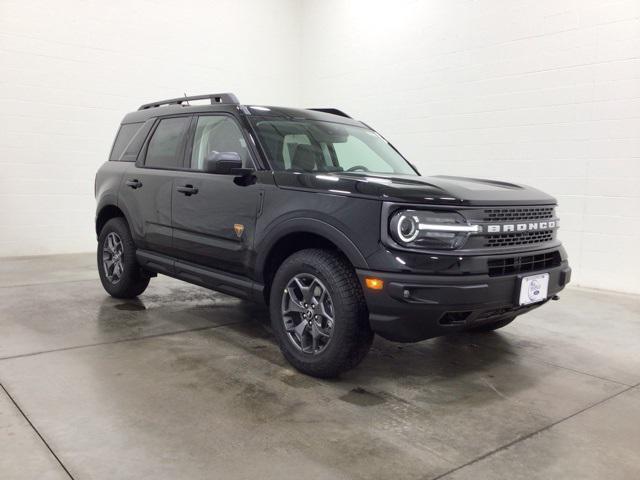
x: 166, y: 144
x: 123, y: 138
x: 129, y: 140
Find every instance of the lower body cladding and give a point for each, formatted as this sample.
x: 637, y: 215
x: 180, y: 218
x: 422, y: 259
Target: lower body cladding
x: 411, y: 307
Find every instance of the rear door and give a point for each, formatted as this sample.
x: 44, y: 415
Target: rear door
x: 147, y: 185
x: 214, y: 226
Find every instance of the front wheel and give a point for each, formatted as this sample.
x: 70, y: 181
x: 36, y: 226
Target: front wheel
x: 120, y: 273
x: 318, y: 313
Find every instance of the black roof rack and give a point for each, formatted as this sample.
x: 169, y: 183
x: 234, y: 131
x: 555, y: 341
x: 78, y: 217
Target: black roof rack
x: 228, y: 98
x: 333, y: 111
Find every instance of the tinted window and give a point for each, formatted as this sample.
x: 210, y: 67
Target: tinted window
x: 123, y: 138
x: 165, y: 147
x: 217, y: 134
x: 131, y: 151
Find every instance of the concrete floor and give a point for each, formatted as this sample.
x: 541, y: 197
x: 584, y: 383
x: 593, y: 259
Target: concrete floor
x: 186, y: 383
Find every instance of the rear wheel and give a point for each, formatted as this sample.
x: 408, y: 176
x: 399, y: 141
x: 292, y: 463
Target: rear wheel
x: 120, y: 273
x: 490, y: 327
x: 318, y: 313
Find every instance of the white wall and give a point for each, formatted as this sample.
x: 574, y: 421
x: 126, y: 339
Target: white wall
x: 543, y: 92
x: 71, y: 69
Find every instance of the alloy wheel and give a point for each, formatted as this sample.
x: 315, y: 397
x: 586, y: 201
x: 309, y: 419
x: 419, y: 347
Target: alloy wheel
x: 308, y: 313
x: 112, y: 257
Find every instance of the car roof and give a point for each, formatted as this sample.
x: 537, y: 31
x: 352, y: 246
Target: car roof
x: 248, y: 110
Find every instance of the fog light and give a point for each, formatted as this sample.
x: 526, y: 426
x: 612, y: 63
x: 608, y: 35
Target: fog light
x: 374, y: 283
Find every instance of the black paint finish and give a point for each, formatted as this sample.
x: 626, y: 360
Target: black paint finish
x: 225, y: 232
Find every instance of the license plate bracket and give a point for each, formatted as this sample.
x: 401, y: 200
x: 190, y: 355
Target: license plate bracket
x: 533, y: 289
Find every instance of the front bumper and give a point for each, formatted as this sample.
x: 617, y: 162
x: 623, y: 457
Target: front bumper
x: 414, y: 307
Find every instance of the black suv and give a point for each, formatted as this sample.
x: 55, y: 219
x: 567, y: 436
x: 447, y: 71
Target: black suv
x: 320, y: 217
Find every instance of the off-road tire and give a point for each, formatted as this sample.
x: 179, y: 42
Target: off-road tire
x: 352, y: 335
x: 133, y: 280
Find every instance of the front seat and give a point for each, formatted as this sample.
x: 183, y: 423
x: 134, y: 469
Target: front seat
x: 306, y: 158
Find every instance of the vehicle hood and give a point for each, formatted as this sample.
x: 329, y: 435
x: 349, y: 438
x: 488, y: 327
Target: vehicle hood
x: 444, y: 190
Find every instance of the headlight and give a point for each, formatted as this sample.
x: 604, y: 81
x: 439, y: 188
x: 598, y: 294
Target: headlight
x: 425, y: 229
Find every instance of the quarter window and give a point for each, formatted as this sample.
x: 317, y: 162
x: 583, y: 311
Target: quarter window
x: 123, y: 139
x: 217, y: 133
x: 131, y: 151
x: 165, y: 147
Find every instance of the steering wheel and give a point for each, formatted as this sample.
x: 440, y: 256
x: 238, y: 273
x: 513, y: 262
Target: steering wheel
x: 358, y: 167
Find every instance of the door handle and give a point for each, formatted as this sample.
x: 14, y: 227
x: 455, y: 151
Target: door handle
x: 188, y: 190
x: 133, y: 183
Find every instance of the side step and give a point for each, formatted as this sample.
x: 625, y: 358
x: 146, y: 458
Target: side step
x: 234, y: 285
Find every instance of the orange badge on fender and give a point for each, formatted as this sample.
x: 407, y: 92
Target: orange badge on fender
x: 238, y: 228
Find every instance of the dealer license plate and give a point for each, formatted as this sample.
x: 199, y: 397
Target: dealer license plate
x: 534, y: 288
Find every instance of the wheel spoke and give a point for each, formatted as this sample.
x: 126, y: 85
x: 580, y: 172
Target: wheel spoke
x: 326, y: 314
x: 299, y: 329
x: 304, y: 291
x: 318, y: 331
x: 111, y: 243
x: 294, y: 304
x: 311, y: 291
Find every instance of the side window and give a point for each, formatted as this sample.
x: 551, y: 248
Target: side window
x: 131, y: 151
x: 217, y: 133
x: 165, y: 147
x: 123, y: 139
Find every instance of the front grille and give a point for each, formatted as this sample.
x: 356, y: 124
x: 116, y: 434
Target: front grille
x: 519, y: 238
x: 528, y: 263
x: 517, y: 213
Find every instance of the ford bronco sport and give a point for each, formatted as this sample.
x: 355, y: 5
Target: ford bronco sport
x: 317, y: 215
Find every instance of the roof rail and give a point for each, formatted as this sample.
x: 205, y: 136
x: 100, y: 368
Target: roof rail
x: 227, y: 98
x: 333, y: 111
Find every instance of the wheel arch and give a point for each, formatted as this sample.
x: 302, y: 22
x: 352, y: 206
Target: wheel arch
x: 298, y: 234
x: 106, y: 213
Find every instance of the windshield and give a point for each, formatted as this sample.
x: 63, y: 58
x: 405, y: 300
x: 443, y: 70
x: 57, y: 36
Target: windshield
x: 317, y: 146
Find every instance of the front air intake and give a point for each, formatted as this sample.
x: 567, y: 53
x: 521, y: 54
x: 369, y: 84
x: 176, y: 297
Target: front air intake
x: 527, y: 263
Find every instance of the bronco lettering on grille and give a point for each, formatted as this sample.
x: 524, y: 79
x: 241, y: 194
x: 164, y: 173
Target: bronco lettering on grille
x: 521, y: 227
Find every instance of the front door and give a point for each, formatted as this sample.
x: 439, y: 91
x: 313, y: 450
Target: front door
x: 213, y: 215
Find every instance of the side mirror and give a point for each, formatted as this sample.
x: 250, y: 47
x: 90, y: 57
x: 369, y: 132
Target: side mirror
x: 225, y: 163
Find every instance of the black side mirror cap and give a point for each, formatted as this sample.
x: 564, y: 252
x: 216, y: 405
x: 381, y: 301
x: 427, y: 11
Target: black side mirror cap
x: 225, y: 163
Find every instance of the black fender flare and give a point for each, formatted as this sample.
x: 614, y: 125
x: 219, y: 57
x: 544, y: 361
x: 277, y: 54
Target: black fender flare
x: 307, y: 225
x: 108, y: 201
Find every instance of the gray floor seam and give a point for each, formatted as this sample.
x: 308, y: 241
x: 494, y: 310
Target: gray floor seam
x: 46, y: 444
x: 589, y: 374
x: 133, y: 339
x: 532, y: 434
x: 19, y: 285
x: 541, y: 360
